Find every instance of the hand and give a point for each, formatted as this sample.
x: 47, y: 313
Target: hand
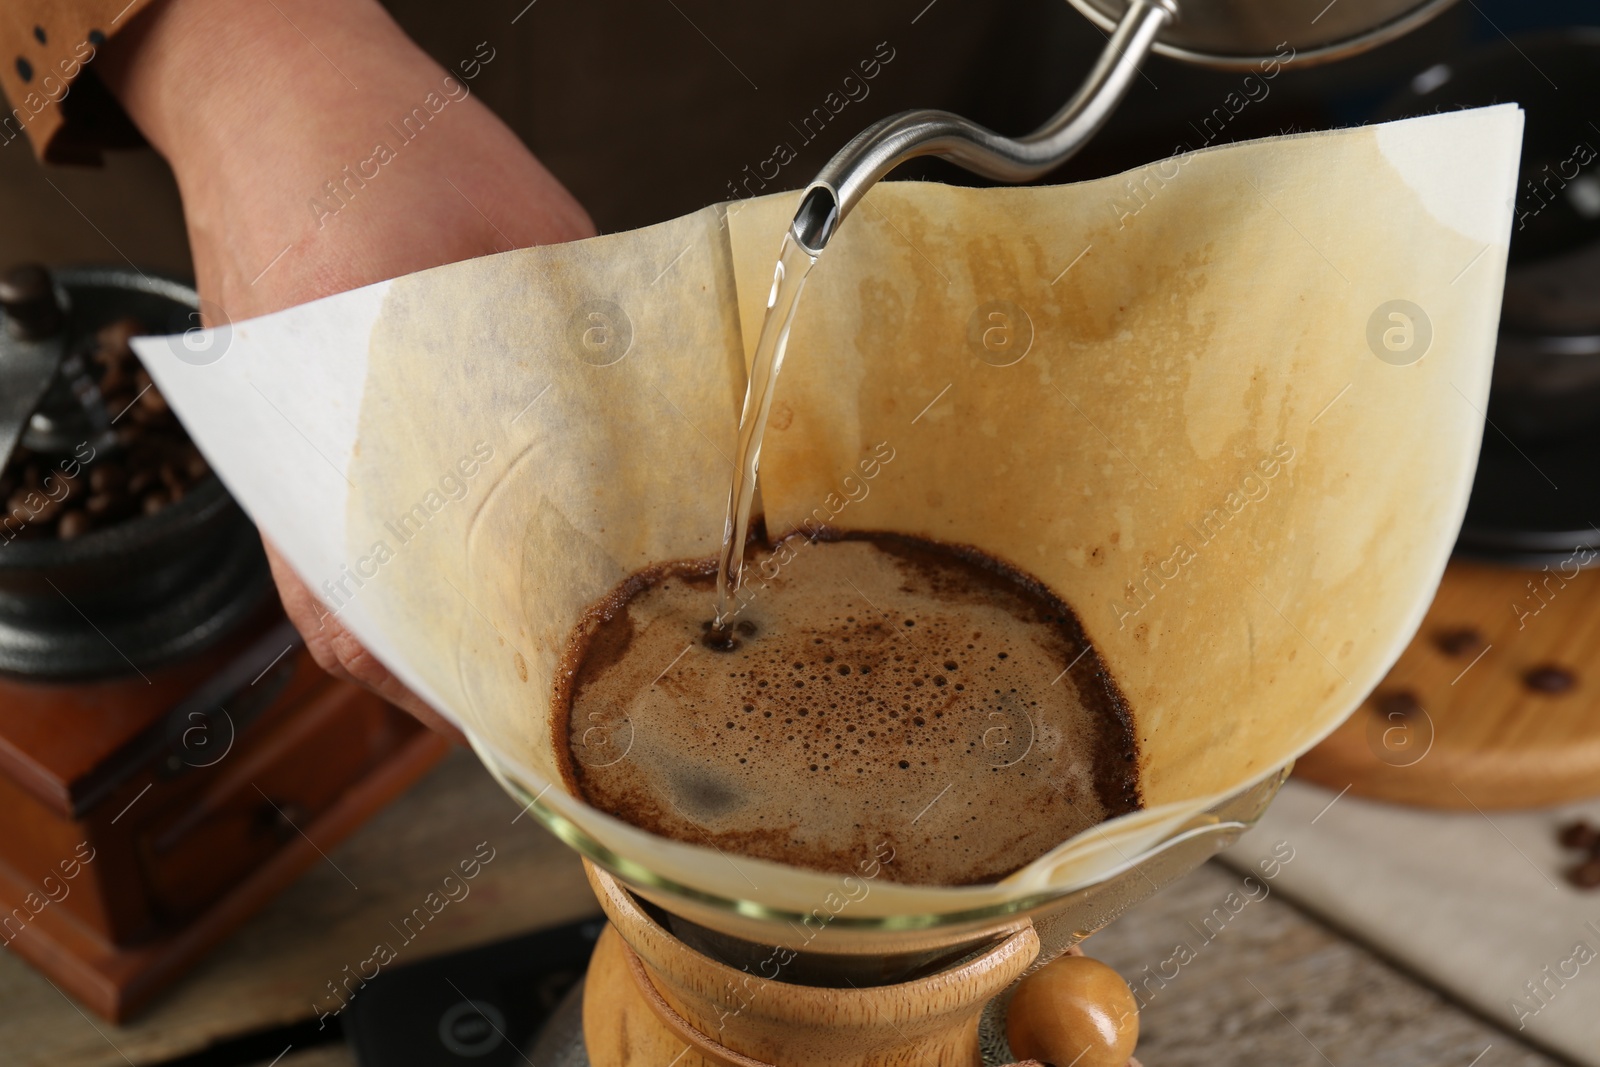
x: 256, y: 117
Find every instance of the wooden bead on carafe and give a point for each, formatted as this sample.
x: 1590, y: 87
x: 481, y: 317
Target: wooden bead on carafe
x: 1074, y: 1010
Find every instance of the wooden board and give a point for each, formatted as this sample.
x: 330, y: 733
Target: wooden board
x: 1481, y: 735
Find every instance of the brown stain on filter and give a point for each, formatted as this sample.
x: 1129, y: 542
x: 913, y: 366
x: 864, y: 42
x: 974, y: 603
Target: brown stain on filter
x: 1188, y: 342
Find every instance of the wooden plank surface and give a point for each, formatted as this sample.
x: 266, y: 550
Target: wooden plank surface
x: 1275, y: 988
x: 1331, y: 1001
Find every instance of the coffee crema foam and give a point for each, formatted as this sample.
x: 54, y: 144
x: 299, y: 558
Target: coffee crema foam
x: 881, y: 688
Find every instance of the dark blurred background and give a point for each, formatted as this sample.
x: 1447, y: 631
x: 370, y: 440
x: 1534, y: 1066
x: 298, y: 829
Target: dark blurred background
x: 648, y: 109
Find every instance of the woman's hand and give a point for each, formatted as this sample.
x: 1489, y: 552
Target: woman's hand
x: 286, y: 126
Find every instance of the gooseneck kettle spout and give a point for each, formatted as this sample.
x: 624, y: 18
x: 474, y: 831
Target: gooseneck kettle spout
x: 889, y: 142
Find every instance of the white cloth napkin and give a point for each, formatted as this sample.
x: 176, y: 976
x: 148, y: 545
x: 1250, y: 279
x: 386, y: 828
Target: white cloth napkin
x: 1474, y: 901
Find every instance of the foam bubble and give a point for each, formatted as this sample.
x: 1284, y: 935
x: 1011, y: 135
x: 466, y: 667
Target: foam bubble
x: 879, y: 689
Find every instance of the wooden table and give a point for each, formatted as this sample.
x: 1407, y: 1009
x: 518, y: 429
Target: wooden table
x: 1275, y: 988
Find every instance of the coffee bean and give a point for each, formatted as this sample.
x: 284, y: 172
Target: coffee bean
x: 153, y: 400
x: 1549, y: 679
x: 114, y: 379
x: 48, y: 511
x: 1585, y: 875
x: 154, y: 501
x: 1462, y: 641
x: 107, y: 476
x: 1401, y: 703
x: 1580, y: 834
x: 112, y: 338
x: 143, y: 415
x: 116, y: 401
x: 73, y: 524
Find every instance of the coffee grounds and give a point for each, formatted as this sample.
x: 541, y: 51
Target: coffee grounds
x: 877, y: 692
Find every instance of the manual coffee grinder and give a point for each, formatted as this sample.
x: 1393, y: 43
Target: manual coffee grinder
x: 168, y: 749
x: 683, y: 978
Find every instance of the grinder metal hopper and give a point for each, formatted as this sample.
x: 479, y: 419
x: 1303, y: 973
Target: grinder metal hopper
x: 1228, y: 406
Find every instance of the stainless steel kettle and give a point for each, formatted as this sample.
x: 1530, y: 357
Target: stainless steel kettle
x: 1227, y: 34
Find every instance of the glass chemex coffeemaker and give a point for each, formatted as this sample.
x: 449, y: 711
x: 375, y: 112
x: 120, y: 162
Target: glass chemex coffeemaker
x: 727, y: 969
x: 1237, y: 437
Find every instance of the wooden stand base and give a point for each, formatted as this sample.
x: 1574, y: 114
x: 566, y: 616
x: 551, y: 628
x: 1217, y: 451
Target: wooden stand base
x: 1495, y: 704
x: 650, y: 1000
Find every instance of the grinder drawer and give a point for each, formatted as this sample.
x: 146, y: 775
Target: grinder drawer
x: 282, y: 780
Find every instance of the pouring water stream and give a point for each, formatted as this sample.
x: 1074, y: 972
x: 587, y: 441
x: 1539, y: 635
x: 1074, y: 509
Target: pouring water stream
x: 868, y: 157
x: 794, y: 263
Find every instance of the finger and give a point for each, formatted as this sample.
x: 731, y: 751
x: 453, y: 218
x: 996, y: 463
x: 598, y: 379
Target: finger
x: 306, y: 612
x: 338, y: 652
x: 366, y: 669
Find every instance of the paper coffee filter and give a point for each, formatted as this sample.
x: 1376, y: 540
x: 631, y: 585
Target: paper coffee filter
x: 1193, y: 418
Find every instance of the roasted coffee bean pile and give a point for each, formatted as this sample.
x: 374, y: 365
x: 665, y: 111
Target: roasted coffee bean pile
x: 152, y: 467
x: 1584, y: 837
